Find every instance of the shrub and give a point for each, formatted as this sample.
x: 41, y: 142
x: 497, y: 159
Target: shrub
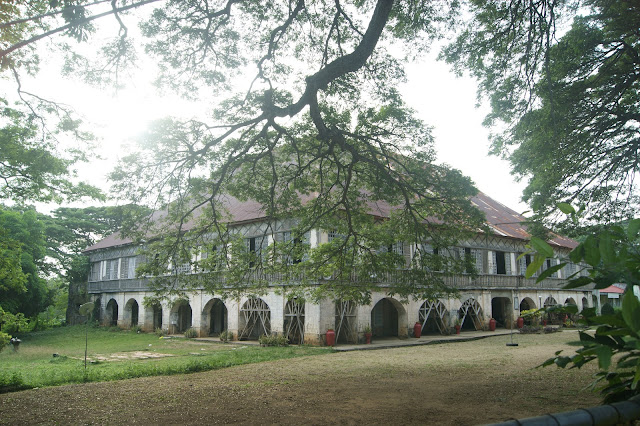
x: 4, y: 340
x: 226, y: 335
x: 11, y: 383
x: 136, y: 329
x: 273, y: 340
x: 159, y: 332
x: 531, y: 329
x: 190, y: 333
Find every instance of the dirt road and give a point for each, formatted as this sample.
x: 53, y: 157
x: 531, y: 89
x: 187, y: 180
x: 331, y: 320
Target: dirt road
x: 456, y: 383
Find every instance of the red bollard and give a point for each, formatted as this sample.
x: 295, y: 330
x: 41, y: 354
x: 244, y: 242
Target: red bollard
x: 331, y: 337
x: 520, y: 322
x: 417, y: 330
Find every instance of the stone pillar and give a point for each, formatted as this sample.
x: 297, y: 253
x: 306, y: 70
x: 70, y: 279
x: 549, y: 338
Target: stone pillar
x: 312, y: 330
x: 233, y: 311
x: 276, y: 304
x: 195, y: 300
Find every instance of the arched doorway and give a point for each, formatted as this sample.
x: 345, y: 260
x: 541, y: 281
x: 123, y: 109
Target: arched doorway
x: 384, y: 319
x: 181, y: 317
x: 585, y: 303
x: 156, y: 309
x: 527, y: 304
x: 131, y: 313
x: 431, y: 315
x: 552, y: 317
x: 294, y: 321
x: 501, y: 311
x: 97, y: 310
x: 111, y: 314
x: 345, y: 322
x: 214, y: 317
x: 470, y: 315
x: 255, y: 319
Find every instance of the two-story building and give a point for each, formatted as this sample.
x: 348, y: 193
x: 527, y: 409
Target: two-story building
x: 497, y: 289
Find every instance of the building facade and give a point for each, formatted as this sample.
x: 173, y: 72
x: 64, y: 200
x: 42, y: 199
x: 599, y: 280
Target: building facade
x: 497, y: 290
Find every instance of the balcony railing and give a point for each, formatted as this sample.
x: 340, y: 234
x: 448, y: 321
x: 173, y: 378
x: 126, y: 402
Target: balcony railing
x: 460, y: 281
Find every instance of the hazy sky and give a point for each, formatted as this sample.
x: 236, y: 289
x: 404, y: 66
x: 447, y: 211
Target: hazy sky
x: 441, y: 100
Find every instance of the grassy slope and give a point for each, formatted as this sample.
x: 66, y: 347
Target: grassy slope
x: 35, y: 366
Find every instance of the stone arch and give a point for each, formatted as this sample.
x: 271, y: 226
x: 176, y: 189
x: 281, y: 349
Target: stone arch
x: 255, y: 319
x: 131, y: 313
x: 501, y: 311
x: 431, y: 315
x: 181, y: 317
x: 156, y: 314
x: 345, y: 321
x: 570, y: 301
x: 470, y: 315
x: 214, y: 317
x: 585, y: 303
x: 387, y: 318
x: 552, y: 317
x: 97, y: 310
x: 294, y: 320
x: 527, y: 304
x: 111, y: 313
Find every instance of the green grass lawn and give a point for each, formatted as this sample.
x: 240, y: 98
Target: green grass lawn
x: 114, y: 355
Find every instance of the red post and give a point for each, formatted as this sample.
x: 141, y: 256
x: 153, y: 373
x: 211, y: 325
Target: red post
x: 417, y: 330
x: 520, y: 322
x: 331, y: 337
x: 492, y: 324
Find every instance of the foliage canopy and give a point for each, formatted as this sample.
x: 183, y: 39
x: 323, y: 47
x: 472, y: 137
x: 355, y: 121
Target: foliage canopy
x: 562, y: 78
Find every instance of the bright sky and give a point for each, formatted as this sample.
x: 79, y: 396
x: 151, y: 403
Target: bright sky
x: 441, y: 100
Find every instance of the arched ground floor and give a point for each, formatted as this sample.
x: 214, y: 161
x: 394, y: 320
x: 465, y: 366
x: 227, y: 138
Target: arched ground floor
x: 306, y: 322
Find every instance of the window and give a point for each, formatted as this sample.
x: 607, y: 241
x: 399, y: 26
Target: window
x: 469, y: 261
x: 95, y: 271
x: 501, y: 263
x: 398, y: 248
x: 114, y: 269
x: 255, y: 246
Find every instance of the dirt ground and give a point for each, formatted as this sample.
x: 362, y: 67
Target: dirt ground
x: 456, y: 383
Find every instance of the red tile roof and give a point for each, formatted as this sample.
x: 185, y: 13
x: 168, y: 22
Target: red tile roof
x: 502, y: 220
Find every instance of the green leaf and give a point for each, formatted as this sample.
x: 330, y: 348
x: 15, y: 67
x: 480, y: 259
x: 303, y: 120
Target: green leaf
x: 86, y: 308
x: 578, y: 282
x: 577, y: 254
x: 566, y: 208
x: 533, y: 267
x: 549, y: 271
x: 604, y: 357
x: 591, y: 251
x: 632, y: 229
x: 562, y: 361
x: 631, y: 310
x: 607, y: 253
x: 541, y: 247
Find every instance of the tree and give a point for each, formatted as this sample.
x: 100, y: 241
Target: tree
x: 609, y: 256
x: 22, y: 240
x: 305, y: 119
x: 562, y: 78
x: 31, y: 167
x: 71, y: 230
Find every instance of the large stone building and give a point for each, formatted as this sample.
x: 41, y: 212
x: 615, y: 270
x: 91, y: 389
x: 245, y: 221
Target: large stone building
x: 499, y: 290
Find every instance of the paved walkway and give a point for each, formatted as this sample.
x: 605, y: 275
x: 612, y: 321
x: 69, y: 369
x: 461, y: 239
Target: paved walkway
x: 395, y: 342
